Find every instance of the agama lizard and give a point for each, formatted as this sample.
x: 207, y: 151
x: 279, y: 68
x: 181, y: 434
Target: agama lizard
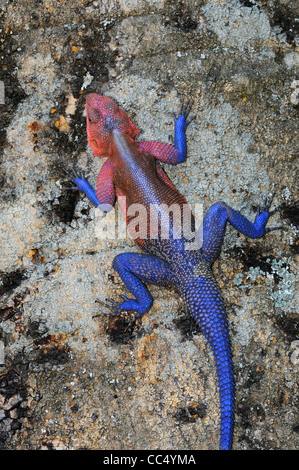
x: 133, y: 170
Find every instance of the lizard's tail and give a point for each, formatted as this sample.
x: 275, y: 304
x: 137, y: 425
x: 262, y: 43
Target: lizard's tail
x: 206, y: 306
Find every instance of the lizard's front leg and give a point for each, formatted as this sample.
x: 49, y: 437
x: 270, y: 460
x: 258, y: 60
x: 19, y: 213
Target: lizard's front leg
x: 105, y: 195
x: 166, y: 153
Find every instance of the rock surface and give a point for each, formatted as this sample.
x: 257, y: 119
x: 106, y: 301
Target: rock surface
x: 73, y: 378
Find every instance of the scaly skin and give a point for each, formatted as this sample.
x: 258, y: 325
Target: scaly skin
x: 133, y: 170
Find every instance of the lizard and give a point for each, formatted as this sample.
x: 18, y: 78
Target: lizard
x: 132, y: 173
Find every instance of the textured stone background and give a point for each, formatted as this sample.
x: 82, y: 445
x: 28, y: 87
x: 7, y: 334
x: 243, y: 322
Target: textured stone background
x: 72, y: 378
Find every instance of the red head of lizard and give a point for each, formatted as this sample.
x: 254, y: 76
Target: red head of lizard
x: 102, y: 117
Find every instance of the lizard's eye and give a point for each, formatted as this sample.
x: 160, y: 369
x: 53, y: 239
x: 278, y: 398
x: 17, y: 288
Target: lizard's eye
x: 94, y: 142
x: 94, y: 115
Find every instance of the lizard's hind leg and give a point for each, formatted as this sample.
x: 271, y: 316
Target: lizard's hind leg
x: 215, y: 221
x: 135, y: 269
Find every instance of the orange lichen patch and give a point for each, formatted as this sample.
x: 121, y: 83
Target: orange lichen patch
x: 34, y: 128
x: 31, y: 253
x: 49, y: 342
x: 58, y: 338
x: 75, y: 48
x: 35, y: 256
x: 62, y: 124
x: 147, y: 349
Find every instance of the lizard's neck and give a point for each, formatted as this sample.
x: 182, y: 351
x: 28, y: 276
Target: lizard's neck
x: 123, y: 149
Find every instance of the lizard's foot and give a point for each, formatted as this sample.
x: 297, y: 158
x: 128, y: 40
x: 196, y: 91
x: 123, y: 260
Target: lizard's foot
x: 184, y: 112
x: 111, y: 304
x: 186, y: 108
x: 128, y: 305
x: 266, y: 206
x: 72, y: 175
x: 263, y: 214
x: 81, y: 184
